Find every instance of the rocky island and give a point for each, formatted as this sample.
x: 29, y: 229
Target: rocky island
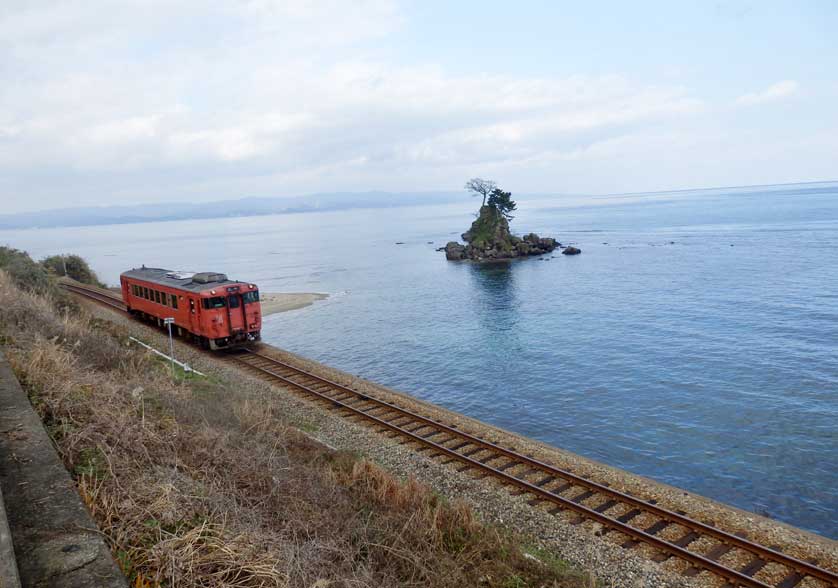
x: 489, y: 238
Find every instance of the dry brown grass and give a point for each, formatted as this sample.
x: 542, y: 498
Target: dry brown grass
x: 199, y: 483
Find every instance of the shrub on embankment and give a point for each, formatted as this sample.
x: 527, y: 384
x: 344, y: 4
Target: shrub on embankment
x: 35, y: 275
x: 72, y: 266
x: 201, y: 482
x: 25, y: 272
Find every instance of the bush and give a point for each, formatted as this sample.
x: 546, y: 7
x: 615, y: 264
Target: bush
x: 72, y: 266
x: 26, y: 273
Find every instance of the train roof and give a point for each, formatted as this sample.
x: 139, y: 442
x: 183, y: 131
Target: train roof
x: 195, y: 282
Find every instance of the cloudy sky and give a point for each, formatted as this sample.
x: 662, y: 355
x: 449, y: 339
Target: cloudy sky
x: 106, y: 102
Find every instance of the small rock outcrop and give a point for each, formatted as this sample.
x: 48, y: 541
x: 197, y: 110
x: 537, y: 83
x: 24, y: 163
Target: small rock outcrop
x: 489, y: 239
x: 454, y: 251
x: 570, y: 250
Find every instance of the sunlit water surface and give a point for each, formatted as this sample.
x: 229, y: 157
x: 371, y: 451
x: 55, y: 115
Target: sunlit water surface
x: 695, y: 340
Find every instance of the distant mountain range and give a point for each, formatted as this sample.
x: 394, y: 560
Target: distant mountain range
x: 172, y: 211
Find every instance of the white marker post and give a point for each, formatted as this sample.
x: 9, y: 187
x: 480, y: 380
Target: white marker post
x: 168, y: 322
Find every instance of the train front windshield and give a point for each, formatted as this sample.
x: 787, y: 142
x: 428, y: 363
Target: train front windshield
x: 215, y: 302
x: 251, y: 296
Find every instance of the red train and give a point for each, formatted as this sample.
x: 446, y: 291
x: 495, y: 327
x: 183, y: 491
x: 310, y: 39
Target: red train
x: 217, y: 312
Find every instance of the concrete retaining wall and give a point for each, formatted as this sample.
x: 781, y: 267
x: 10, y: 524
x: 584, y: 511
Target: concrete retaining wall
x: 9, y: 577
x: 55, y: 540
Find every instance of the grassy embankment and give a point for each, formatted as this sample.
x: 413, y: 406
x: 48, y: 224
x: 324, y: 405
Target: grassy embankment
x: 201, y: 483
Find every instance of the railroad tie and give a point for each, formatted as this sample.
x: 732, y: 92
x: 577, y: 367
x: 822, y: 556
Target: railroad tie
x: 562, y: 488
x: 507, y: 465
x: 491, y: 457
x: 753, y: 566
x: 657, y: 527
x: 606, y: 505
x: 714, y: 554
x: 583, y: 496
x: 629, y: 515
x: 459, y: 445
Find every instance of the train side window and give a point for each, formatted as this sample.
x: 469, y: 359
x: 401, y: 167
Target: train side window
x: 174, y: 300
x: 157, y: 296
x: 145, y: 292
x: 163, y: 299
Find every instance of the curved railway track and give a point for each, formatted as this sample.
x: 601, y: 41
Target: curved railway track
x: 670, y: 534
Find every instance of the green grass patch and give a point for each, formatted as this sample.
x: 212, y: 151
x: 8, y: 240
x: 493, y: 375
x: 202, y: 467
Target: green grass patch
x: 91, y: 462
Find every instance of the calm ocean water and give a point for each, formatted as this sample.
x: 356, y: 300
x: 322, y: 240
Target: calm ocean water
x: 695, y: 340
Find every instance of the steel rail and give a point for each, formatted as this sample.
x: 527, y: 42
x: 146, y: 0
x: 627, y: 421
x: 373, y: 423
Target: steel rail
x: 797, y: 565
x: 754, y: 549
x: 98, y: 295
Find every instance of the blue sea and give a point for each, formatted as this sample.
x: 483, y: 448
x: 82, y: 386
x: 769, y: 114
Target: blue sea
x: 694, y: 341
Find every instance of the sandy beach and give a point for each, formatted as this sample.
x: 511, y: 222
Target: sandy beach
x: 274, y: 302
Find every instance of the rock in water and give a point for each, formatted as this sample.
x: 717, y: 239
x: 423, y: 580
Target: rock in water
x: 489, y: 239
x: 570, y: 250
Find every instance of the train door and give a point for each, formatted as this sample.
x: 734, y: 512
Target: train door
x: 235, y: 309
x: 193, y: 316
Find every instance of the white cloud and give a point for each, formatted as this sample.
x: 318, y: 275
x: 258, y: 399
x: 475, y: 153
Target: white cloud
x: 273, y: 97
x: 777, y: 91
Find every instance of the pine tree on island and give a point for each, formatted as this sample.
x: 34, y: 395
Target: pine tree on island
x: 489, y: 238
x: 502, y: 202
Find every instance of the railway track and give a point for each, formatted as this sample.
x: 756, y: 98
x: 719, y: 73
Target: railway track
x: 96, y: 294
x: 635, y: 521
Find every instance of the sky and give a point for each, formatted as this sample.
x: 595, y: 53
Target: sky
x: 143, y: 101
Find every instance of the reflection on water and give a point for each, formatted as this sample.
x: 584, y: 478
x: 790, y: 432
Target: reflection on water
x: 494, y: 294
x: 495, y: 302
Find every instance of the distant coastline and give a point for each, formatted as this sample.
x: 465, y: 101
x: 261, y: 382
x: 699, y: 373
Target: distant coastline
x: 248, y: 207
x: 243, y: 207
